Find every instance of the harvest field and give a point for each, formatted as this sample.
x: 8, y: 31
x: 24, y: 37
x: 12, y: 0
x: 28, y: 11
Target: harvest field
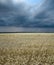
x: 27, y: 49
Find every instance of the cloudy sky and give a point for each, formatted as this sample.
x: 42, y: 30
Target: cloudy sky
x: 19, y: 15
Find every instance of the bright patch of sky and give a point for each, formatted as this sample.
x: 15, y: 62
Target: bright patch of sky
x: 32, y: 2
x: 17, y: 1
x: 29, y: 2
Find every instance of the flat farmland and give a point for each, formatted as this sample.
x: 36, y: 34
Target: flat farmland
x: 27, y: 49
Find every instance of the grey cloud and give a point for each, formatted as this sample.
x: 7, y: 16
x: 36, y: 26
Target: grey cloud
x: 22, y: 29
x: 21, y: 17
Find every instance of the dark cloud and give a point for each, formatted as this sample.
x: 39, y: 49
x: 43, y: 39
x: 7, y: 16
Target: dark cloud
x: 21, y: 16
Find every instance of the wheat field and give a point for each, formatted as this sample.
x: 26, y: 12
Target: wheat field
x: 27, y: 49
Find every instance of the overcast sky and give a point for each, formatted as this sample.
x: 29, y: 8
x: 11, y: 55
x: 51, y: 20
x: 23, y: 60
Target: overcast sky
x: 27, y: 13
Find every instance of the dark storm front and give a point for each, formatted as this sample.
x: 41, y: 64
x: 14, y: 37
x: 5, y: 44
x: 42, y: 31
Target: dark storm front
x: 26, y: 16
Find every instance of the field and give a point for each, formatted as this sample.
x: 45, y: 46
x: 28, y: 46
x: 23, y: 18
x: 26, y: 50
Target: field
x: 27, y: 49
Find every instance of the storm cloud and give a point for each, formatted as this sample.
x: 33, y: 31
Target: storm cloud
x: 23, y: 14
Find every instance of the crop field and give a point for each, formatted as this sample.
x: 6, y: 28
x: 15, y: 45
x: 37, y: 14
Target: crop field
x: 27, y: 49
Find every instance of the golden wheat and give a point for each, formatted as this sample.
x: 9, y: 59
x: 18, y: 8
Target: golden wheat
x: 27, y: 49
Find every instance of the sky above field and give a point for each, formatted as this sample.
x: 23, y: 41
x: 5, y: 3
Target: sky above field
x: 27, y: 14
